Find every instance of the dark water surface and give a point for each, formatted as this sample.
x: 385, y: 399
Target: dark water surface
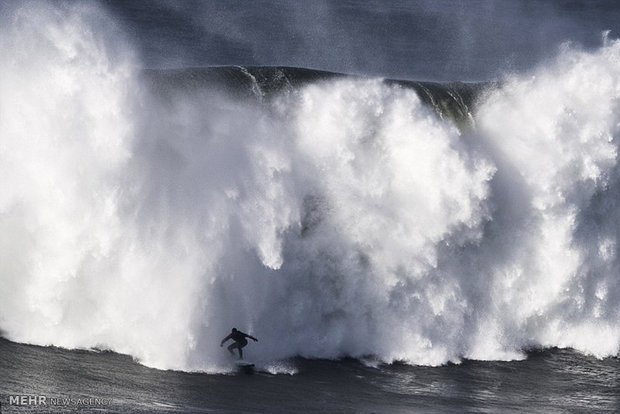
x: 551, y: 381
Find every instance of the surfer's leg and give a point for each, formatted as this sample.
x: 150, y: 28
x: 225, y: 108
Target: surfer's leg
x: 231, y: 347
x: 240, y: 346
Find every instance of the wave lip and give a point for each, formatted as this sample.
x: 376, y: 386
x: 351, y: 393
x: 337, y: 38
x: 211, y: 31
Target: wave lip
x: 453, y: 100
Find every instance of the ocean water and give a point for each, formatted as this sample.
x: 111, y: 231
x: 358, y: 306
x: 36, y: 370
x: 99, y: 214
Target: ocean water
x: 548, y: 381
x: 412, y: 205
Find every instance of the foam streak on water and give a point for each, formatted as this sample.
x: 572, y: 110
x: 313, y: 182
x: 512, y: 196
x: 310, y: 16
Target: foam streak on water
x: 340, y: 218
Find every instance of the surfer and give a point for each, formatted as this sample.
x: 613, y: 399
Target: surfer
x: 240, y: 341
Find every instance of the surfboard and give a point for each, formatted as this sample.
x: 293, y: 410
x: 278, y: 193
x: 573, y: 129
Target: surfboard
x: 245, y: 366
x: 243, y: 363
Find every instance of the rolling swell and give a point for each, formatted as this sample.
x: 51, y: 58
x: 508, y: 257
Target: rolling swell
x: 452, y: 100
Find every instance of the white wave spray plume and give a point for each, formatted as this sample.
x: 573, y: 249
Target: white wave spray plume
x: 342, y: 218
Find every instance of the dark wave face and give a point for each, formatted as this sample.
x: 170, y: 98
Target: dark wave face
x: 452, y: 100
x: 149, y: 211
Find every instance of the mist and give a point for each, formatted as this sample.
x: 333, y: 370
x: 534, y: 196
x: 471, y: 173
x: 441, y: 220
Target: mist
x: 424, y: 40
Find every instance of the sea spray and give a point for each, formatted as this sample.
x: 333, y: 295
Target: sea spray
x: 65, y: 137
x: 557, y: 129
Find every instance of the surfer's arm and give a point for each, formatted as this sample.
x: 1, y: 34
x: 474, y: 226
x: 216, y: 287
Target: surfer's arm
x: 225, y: 339
x: 251, y: 337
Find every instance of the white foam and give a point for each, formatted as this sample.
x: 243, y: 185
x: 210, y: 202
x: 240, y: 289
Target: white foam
x: 280, y: 368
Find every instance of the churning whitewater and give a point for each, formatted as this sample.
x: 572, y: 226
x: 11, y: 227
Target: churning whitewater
x: 338, y: 216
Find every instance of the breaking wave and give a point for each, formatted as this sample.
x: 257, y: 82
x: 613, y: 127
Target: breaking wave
x: 148, y: 212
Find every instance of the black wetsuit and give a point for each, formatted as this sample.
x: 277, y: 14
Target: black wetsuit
x: 240, y: 341
x: 239, y: 338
